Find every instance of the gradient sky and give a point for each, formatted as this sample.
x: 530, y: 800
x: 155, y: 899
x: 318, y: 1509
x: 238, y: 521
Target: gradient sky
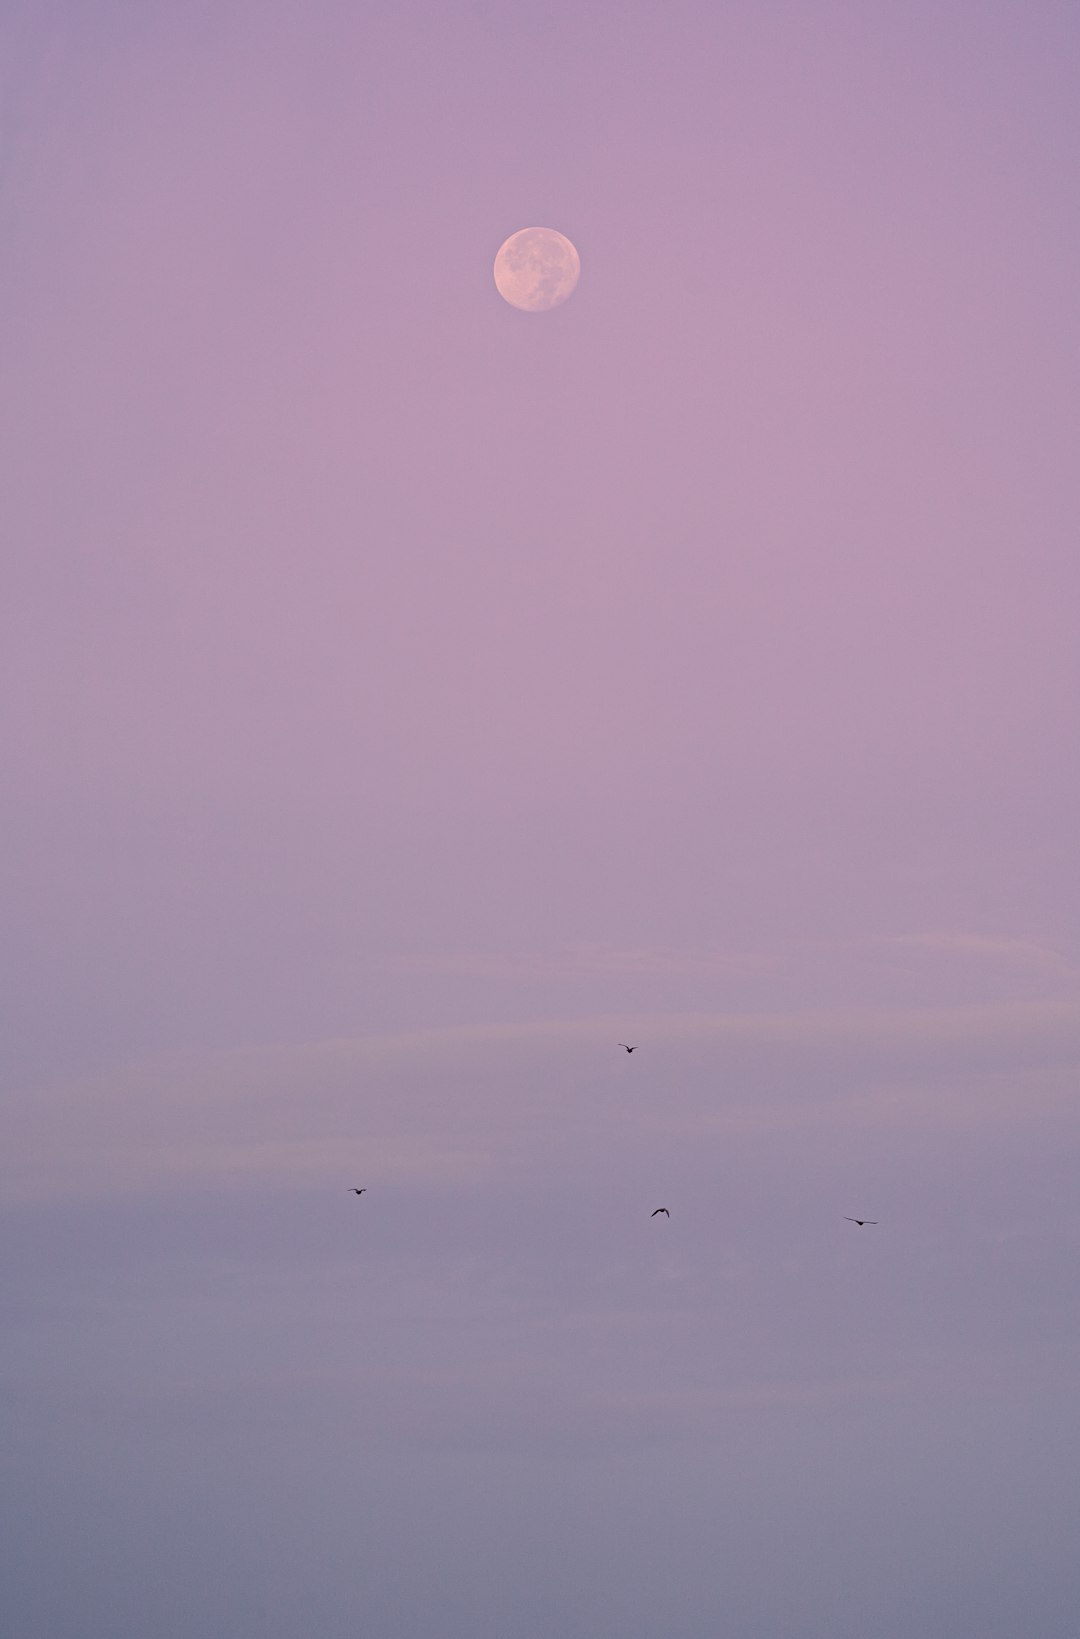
x: 406, y: 698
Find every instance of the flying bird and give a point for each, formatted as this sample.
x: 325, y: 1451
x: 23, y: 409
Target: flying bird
x: 628, y: 1049
x: 859, y: 1221
x: 354, y: 1191
x: 658, y: 1211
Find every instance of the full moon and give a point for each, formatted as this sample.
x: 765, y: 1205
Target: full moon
x: 536, y: 268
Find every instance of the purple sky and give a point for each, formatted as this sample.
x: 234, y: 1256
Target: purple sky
x: 406, y: 698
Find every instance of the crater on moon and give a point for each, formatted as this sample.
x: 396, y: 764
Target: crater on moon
x: 536, y: 268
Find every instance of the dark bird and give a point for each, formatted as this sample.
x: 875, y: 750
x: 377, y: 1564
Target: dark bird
x: 628, y: 1049
x: 358, y: 1191
x: 859, y: 1221
x: 658, y: 1211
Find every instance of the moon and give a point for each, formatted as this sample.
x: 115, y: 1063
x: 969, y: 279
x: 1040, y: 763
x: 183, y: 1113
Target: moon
x: 536, y: 269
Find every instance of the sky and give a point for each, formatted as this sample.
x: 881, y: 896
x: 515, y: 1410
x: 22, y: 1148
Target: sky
x: 407, y: 698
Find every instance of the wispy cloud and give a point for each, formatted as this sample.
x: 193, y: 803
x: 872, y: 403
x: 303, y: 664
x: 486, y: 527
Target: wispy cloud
x: 450, y: 1106
x: 957, y: 943
x: 645, y: 960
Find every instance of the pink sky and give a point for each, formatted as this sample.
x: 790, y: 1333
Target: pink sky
x: 408, y: 697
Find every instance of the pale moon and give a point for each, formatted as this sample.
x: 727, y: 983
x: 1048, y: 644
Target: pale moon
x: 536, y: 269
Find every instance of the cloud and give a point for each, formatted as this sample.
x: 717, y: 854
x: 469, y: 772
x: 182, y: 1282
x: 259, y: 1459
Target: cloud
x: 584, y: 960
x: 453, y: 1107
x: 997, y: 948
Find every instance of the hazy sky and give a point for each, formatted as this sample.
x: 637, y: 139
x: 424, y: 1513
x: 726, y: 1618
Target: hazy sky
x: 406, y: 698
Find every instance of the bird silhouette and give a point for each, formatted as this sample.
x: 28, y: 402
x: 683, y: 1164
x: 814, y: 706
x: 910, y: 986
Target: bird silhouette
x: 859, y: 1221
x: 354, y: 1191
x: 658, y: 1211
x: 628, y: 1049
